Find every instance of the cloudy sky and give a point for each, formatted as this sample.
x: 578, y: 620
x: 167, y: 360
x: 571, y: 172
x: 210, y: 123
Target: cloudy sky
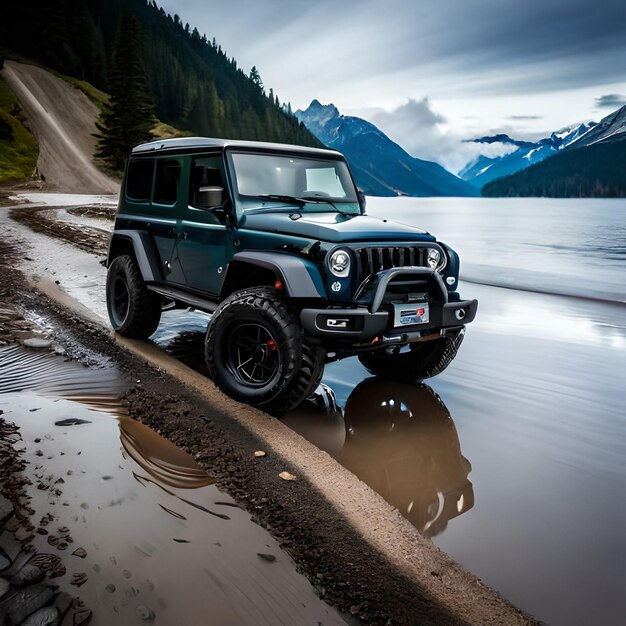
x: 431, y: 72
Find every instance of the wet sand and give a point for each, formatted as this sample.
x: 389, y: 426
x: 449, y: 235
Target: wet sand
x: 512, y: 460
x: 143, y: 531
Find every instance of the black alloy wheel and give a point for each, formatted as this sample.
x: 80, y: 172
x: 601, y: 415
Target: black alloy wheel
x: 253, y: 355
x: 256, y: 352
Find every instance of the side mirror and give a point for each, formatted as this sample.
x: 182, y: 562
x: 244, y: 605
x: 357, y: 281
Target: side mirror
x: 361, y: 197
x: 210, y: 197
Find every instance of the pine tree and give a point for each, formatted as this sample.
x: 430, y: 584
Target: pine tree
x: 129, y: 116
x: 255, y: 77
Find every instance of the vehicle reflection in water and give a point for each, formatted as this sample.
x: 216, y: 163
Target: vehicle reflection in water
x: 401, y: 441
x: 166, y: 463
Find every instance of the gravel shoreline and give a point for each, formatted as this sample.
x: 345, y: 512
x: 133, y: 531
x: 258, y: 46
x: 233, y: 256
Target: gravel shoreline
x: 347, y: 571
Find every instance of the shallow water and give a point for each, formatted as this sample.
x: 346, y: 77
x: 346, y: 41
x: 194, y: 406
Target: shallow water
x: 563, y: 246
x: 537, y: 409
x: 518, y: 472
x: 159, y: 536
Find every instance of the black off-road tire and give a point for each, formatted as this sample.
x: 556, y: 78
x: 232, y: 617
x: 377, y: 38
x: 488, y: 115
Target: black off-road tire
x: 423, y: 360
x: 134, y: 311
x: 298, y: 365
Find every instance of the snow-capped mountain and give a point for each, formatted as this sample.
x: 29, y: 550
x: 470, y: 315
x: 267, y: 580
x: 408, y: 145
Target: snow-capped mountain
x: 610, y: 128
x: 380, y: 166
x: 483, y: 170
x: 589, y: 164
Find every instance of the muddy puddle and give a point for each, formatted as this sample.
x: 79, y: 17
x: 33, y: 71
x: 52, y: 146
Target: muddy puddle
x: 143, y: 532
x: 398, y: 439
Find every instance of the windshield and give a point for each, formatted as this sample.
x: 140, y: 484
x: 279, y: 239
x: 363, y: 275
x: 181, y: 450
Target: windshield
x: 294, y: 178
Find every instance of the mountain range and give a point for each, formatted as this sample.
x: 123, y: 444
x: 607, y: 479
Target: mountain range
x: 591, y: 164
x: 380, y: 166
x: 484, y: 169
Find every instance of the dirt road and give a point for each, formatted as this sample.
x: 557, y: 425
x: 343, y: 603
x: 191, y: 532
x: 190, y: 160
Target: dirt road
x: 62, y: 119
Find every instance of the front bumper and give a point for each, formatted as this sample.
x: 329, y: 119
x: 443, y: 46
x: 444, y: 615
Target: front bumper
x: 374, y: 320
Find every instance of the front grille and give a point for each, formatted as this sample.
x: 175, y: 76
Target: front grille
x: 375, y: 259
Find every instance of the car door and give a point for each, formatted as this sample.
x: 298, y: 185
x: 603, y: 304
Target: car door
x: 204, y: 236
x: 166, y: 206
x: 141, y: 213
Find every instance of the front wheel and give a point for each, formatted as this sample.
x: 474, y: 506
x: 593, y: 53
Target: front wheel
x: 422, y: 360
x: 134, y: 311
x: 256, y: 353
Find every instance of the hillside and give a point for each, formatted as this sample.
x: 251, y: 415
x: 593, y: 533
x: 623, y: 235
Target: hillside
x: 194, y: 84
x: 18, y: 147
x: 380, y: 166
x: 62, y: 119
x: 593, y: 171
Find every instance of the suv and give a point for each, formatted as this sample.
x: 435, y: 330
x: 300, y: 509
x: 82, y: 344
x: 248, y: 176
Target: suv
x: 274, y: 241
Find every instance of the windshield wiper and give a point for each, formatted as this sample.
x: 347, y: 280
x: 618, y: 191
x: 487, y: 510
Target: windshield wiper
x: 318, y: 200
x: 283, y: 198
x: 300, y: 201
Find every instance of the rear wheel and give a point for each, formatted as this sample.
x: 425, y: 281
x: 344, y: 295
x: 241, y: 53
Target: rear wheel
x: 422, y: 360
x: 256, y: 353
x: 134, y: 311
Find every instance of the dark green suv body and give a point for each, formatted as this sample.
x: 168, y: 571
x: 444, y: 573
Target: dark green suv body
x: 274, y: 241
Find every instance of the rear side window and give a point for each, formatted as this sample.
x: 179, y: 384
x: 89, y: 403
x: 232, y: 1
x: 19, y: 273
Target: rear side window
x: 167, y: 181
x: 139, y: 179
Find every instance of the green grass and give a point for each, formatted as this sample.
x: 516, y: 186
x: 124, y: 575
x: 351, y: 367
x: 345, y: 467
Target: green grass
x: 165, y: 131
x: 161, y: 130
x: 18, y: 148
x: 8, y: 101
x: 99, y: 98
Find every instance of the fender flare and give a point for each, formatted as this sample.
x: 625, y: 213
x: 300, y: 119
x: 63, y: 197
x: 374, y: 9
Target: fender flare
x: 143, y: 249
x: 301, y: 278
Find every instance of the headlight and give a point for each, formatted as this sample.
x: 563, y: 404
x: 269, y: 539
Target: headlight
x: 339, y: 263
x: 434, y: 258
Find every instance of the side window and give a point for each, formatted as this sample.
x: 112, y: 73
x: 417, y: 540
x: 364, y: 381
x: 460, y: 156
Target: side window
x: 206, y: 171
x: 167, y: 181
x: 139, y: 179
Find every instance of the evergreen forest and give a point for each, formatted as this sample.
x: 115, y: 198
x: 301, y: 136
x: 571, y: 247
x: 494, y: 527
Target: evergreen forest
x: 169, y: 70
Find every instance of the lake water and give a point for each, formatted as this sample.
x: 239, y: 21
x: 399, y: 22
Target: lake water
x: 571, y: 246
x: 519, y: 472
x: 514, y: 459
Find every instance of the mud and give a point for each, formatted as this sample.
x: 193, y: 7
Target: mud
x: 119, y: 515
x: 85, y: 468
x: 28, y: 572
x: 89, y: 239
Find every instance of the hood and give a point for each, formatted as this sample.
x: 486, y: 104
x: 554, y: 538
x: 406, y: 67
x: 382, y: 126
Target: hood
x: 334, y: 227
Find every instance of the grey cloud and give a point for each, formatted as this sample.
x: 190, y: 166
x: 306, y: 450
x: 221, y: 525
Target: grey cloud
x: 482, y: 46
x: 524, y: 117
x: 418, y: 129
x: 611, y: 100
